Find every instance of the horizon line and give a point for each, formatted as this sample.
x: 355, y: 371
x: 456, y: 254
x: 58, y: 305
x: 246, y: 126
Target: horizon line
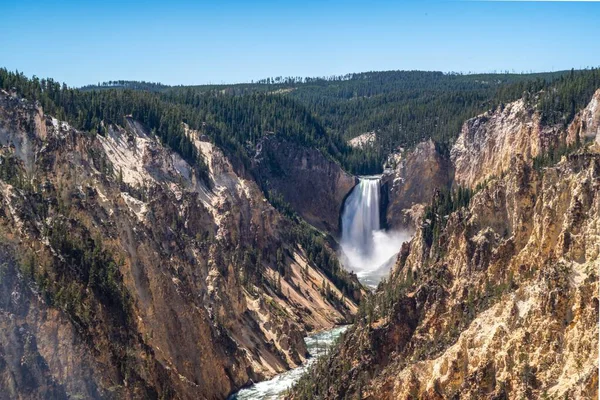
x: 327, y: 77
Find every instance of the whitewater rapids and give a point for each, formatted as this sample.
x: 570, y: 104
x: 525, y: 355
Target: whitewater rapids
x: 316, y: 344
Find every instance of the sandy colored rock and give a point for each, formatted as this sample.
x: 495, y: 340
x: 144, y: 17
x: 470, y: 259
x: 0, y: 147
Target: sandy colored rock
x: 503, y: 301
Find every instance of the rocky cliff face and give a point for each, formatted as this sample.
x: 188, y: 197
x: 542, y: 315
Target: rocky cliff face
x: 124, y: 275
x: 362, y: 141
x: 410, y: 182
x: 586, y: 125
x: 312, y: 184
x: 503, y: 303
x: 487, y: 143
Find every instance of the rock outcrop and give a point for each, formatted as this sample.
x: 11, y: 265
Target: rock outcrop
x: 314, y: 185
x: 411, y: 180
x: 586, y: 125
x: 362, y: 141
x: 488, y: 143
x: 125, y: 275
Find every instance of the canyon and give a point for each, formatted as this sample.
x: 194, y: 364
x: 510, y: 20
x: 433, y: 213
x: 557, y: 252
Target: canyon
x: 127, y: 271
x: 112, y: 244
x: 496, y: 299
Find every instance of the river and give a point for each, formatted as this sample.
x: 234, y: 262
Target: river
x: 368, y: 250
x: 316, y: 344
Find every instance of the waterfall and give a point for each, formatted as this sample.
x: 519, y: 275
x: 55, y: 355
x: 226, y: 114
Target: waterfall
x: 361, y: 216
x: 366, y: 248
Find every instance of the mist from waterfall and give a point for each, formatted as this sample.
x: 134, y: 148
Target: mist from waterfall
x: 366, y: 248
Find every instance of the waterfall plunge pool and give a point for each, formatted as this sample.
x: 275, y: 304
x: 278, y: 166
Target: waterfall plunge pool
x: 316, y: 344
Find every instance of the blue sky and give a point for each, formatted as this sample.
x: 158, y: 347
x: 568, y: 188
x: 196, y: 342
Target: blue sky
x: 195, y: 42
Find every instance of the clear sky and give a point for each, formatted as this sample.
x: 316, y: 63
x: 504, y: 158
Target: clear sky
x: 194, y: 42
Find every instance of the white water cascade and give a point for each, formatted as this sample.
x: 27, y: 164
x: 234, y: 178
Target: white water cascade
x: 317, y: 345
x: 366, y: 248
x: 361, y: 217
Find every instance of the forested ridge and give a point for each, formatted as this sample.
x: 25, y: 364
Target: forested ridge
x: 407, y: 107
x: 402, y: 107
x: 232, y: 122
